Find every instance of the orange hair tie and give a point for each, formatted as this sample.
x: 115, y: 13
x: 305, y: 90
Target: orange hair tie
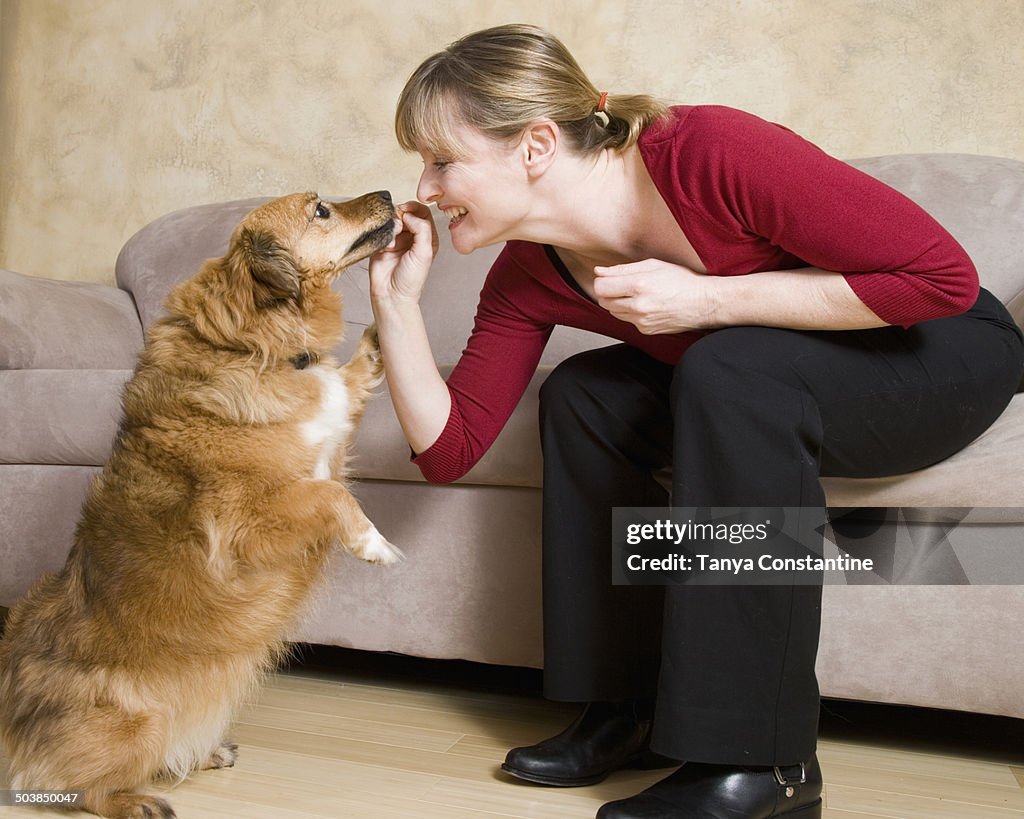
x: 599, y: 111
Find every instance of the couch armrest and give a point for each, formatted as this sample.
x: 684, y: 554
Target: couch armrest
x: 49, y: 324
x: 172, y: 248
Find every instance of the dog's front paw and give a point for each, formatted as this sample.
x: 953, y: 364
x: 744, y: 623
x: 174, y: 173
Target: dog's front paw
x: 369, y: 348
x: 373, y: 548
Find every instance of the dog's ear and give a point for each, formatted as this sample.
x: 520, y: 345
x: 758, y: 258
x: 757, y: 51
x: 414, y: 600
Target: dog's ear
x: 274, y: 272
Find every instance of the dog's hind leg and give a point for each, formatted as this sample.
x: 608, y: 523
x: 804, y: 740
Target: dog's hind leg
x: 104, y: 754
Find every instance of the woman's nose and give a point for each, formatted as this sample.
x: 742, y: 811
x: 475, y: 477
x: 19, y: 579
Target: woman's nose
x: 427, y: 190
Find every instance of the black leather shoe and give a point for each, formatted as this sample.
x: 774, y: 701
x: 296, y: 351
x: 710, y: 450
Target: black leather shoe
x: 603, y: 739
x: 699, y: 791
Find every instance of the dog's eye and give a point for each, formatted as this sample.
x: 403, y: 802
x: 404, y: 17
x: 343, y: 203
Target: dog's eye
x: 321, y: 211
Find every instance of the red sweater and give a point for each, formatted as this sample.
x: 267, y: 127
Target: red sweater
x: 750, y: 196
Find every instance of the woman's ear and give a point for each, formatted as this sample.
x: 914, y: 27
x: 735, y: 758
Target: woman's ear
x: 540, y: 145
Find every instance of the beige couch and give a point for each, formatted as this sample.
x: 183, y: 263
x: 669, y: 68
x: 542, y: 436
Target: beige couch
x: 470, y: 587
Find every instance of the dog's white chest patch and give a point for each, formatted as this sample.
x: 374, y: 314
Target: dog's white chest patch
x: 330, y: 426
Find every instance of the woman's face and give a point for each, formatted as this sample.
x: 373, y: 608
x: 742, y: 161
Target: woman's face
x: 484, y: 194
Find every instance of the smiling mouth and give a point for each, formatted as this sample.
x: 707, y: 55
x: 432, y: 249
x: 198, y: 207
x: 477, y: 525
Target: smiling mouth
x: 455, y: 215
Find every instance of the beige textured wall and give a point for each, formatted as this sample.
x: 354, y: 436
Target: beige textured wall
x: 113, y: 112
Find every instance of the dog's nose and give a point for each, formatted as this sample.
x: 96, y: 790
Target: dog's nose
x: 385, y: 195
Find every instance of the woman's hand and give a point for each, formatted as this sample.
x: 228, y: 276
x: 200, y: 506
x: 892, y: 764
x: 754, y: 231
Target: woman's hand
x: 399, y: 272
x: 655, y: 296
x: 658, y: 297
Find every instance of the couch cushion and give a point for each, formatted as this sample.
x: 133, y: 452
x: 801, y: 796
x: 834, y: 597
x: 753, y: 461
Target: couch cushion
x: 59, y: 416
x: 39, y: 509
x: 49, y: 324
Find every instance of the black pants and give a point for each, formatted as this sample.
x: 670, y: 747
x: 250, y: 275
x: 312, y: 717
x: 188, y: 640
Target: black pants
x: 750, y: 416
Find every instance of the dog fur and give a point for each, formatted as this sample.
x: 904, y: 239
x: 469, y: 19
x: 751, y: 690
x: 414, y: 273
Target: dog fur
x: 200, y: 540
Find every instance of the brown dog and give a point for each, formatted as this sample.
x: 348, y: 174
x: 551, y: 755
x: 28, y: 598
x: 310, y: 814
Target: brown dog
x: 201, y: 538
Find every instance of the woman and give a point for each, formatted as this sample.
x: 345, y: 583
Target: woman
x: 783, y: 317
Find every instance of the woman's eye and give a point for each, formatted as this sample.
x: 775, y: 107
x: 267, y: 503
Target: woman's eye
x: 321, y: 211
x: 441, y: 164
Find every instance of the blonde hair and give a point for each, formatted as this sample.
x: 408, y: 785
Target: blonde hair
x: 501, y: 79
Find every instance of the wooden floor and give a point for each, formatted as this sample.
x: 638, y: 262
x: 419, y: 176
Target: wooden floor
x: 354, y: 736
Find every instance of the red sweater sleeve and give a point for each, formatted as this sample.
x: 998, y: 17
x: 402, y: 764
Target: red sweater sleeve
x: 491, y: 375
x: 897, y: 259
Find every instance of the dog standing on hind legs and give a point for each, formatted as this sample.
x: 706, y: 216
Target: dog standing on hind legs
x: 202, y: 537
